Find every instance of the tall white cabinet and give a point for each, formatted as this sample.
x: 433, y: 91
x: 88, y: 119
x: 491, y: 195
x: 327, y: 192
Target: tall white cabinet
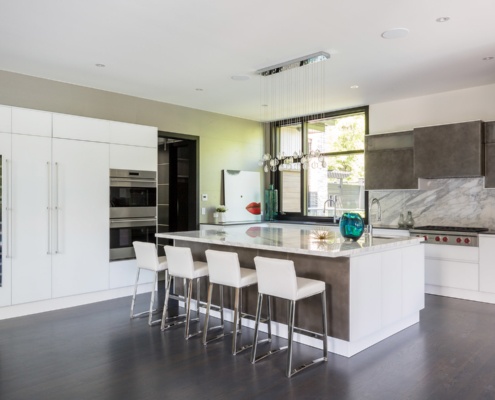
x: 80, y: 217
x: 31, y: 218
x: 5, y: 155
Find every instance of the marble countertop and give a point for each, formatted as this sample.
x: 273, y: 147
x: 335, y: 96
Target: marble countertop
x: 293, y: 240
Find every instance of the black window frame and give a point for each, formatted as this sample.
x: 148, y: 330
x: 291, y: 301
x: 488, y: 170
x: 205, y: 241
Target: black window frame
x: 274, y: 177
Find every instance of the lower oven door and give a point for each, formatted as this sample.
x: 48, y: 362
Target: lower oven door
x: 125, y: 231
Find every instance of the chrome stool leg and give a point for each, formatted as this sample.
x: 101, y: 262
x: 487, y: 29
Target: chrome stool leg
x: 235, y: 322
x: 165, y: 305
x: 325, y: 329
x: 256, y: 328
x: 188, y: 308
x: 152, y: 300
x: 207, y: 316
x: 134, y: 295
x: 290, y: 333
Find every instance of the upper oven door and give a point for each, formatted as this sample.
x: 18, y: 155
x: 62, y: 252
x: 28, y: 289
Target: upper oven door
x: 132, y: 194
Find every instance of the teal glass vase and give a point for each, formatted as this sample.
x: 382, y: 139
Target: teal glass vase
x: 351, y: 226
x: 271, y: 203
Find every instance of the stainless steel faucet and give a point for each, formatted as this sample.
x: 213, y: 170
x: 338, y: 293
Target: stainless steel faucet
x: 374, y: 200
x: 331, y: 200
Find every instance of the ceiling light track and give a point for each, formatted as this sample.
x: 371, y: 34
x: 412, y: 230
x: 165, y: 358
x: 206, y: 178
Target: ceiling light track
x: 298, y: 62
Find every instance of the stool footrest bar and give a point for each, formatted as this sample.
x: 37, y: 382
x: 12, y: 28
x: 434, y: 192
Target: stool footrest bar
x: 269, y: 353
x: 309, y: 364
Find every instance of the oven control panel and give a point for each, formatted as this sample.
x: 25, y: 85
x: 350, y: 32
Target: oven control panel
x: 450, y: 239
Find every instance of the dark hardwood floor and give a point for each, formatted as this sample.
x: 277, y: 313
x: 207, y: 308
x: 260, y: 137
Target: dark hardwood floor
x: 96, y: 352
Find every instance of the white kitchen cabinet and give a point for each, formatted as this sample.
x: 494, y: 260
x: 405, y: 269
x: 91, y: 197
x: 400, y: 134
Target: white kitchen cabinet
x: 133, y: 157
x: 80, y: 217
x: 31, y: 224
x: 452, y: 266
x: 5, y: 119
x: 487, y: 263
x: 31, y: 122
x: 5, y: 226
x: 81, y: 128
x: 132, y: 134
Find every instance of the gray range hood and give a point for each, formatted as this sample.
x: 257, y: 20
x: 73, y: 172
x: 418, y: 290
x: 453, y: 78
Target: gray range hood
x: 449, y: 151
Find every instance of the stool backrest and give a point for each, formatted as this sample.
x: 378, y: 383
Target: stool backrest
x: 276, y: 277
x: 223, y: 267
x: 146, y: 255
x: 180, y: 261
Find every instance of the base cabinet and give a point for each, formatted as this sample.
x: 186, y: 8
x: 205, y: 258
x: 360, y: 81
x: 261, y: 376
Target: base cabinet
x: 453, y: 267
x: 487, y: 263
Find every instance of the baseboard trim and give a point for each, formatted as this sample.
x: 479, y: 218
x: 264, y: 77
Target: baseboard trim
x: 20, y: 310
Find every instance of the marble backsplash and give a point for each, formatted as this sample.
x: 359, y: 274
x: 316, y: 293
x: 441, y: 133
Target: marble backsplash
x: 449, y: 202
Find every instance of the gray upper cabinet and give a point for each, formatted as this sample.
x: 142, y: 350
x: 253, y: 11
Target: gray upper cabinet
x: 389, y: 161
x: 449, y: 151
x: 490, y: 154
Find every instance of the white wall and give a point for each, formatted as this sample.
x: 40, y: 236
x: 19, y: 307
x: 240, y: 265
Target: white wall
x: 477, y: 103
x: 225, y: 142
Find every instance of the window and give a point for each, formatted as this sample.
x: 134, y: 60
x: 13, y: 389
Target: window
x: 333, y: 180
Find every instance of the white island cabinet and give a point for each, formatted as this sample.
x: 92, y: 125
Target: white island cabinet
x: 375, y: 286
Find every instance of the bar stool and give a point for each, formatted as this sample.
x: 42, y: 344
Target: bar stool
x: 278, y: 278
x: 224, y: 270
x: 147, y: 258
x: 182, y: 265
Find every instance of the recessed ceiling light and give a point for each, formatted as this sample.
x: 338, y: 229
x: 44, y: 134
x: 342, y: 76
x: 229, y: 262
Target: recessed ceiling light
x: 199, y: 90
x: 239, y: 78
x: 354, y: 87
x: 487, y: 58
x: 443, y: 19
x: 396, y: 33
x: 100, y: 65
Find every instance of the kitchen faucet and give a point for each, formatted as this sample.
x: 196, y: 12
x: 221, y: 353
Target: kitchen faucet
x: 374, y: 200
x: 332, y: 199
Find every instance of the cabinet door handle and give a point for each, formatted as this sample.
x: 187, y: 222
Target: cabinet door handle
x: 8, y: 211
x: 56, y: 208
x: 48, y: 210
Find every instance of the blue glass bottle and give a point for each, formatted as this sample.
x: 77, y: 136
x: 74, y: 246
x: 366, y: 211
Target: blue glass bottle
x: 351, y: 226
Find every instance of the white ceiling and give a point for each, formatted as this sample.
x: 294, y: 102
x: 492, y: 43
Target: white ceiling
x: 164, y: 50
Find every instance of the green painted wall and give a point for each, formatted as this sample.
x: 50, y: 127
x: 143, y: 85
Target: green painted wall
x: 225, y: 142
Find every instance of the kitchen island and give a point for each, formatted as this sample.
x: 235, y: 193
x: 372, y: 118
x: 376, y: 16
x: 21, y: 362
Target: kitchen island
x: 375, y: 286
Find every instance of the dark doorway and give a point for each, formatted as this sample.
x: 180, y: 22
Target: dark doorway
x: 178, y: 186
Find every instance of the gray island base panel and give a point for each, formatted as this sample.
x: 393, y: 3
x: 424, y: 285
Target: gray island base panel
x: 375, y: 286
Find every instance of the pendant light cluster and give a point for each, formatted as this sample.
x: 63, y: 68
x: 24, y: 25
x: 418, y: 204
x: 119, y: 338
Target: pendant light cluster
x: 295, y: 162
x: 289, y: 91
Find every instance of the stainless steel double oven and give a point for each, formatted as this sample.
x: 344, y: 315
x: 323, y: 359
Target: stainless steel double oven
x: 132, y: 211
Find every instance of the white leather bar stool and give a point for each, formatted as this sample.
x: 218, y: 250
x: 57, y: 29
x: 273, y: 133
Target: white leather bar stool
x: 224, y: 270
x: 147, y: 258
x: 181, y: 265
x: 278, y: 278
